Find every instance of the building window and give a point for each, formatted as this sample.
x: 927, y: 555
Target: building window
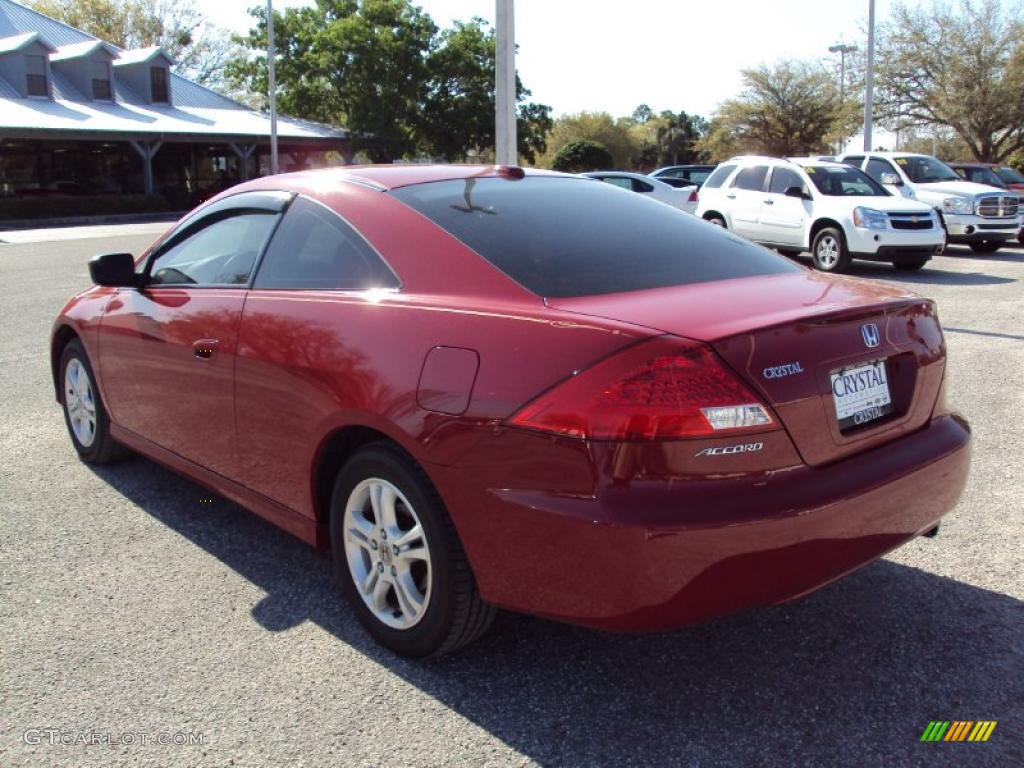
x: 35, y: 75
x: 101, y: 80
x: 158, y: 84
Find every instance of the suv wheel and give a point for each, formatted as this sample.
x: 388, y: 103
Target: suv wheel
x: 718, y: 221
x: 397, y: 557
x: 829, y: 251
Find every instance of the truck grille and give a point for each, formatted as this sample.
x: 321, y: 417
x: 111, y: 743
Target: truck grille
x: 910, y: 220
x: 997, y: 207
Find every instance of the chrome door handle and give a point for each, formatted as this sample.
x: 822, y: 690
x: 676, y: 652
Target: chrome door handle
x: 769, y: 202
x: 731, y: 197
x: 205, y: 349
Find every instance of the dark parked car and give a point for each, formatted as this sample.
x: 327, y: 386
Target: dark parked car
x: 482, y: 387
x: 683, y: 175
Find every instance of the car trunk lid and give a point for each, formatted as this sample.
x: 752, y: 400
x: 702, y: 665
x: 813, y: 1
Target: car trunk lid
x: 786, y: 336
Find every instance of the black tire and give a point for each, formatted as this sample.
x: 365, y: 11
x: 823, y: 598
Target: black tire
x: 829, y: 252
x: 454, y: 614
x: 717, y: 220
x: 102, y: 448
x: 910, y: 266
x: 987, y: 246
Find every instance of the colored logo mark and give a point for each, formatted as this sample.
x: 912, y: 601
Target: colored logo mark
x: 958, y: 730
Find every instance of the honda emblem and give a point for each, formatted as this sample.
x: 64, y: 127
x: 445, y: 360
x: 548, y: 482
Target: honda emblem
x: 869, y: 332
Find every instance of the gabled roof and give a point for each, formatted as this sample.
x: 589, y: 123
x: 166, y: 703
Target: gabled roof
x: 17, y: 42
x: 80, y: 50
x: 141, y: 56
x: 196, y: 110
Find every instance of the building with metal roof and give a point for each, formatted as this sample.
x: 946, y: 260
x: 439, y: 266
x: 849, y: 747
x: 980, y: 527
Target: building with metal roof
x: 80, y: 116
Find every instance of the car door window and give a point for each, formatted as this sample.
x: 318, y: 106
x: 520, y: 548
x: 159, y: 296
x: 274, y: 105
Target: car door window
x: 783, y: 179
x: 641, y: 186
x: 221, y: 253
x: 751, y: 178
x: 315, y: 249
x: 877, y: 167
x: 718, y: 176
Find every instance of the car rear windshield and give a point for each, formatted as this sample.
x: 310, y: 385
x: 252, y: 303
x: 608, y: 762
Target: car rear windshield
x: 844, y: 180
x: 562, y: 237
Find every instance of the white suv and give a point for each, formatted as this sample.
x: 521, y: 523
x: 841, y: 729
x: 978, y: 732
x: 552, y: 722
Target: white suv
x: 977, y: 215
x: 836, y: 212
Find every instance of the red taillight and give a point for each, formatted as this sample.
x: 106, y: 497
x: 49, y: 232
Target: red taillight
x: 693, y: 195
x: 655, y: 390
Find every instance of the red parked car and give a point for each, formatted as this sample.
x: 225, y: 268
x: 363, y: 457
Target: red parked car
x: 486, y: 388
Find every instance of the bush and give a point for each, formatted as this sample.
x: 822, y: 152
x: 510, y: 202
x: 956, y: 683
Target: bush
x: 582, y: 155
x: 66, y: 206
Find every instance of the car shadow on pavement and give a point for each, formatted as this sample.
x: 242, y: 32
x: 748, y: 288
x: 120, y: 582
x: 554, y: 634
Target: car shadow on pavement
x: 848, y: 676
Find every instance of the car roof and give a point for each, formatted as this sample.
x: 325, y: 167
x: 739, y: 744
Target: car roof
x: 385, y: 177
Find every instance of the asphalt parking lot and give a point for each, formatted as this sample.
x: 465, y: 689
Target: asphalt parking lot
x: 134, y: 602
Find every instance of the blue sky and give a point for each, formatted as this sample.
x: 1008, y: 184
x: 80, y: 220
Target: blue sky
x: 670, y: 54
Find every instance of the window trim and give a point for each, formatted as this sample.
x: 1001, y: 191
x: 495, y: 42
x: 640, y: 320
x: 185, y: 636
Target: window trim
x: 276, y: 203
x: 397, y: 288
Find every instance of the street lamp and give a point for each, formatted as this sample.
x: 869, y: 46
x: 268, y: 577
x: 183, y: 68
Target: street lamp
x: 505, y: 85
x: 869, y: 80
x: 842, y: 50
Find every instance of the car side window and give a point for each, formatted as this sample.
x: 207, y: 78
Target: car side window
x: 877, y: 167
x: 783, y: 179
x: 316, y: 249
x: 617, y: 181
x: 221, y: 253
x: 751, y: 178
x: 642, y: 186
x: 718, y: 176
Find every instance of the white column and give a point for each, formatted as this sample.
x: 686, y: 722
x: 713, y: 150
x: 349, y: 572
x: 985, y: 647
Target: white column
x: 505, y: 86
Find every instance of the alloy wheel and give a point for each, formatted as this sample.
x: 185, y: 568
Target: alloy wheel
x: 827, y: 251
x: 80, y: 402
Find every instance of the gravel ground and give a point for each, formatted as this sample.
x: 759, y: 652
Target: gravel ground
x: 133, y: 602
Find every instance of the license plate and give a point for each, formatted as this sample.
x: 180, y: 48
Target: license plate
x: 861, y: 394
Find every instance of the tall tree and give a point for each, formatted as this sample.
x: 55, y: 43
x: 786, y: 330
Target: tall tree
x: 199, y: 49
x: 788, y: 108
x: 381, y: 69
x: 960, y: 67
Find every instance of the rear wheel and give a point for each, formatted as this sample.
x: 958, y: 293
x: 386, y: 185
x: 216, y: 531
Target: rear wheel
x: 988, y: 246
x: 829, y: 251
x: 717, y: 220
x: 84, y: 413
x: 910, y: 266
x: 397, y: 557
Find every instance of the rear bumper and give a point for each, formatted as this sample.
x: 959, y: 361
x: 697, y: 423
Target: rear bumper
x: 644, y: 555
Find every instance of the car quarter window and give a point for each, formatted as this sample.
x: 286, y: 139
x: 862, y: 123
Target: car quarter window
x: 718, y: 176
x: 221, y: 253
x: 876, y: 167
x: 314, y: 248
x: 783, y: 179
x: 642, y: 186
x: 617, y: 181
x: 751, y: 178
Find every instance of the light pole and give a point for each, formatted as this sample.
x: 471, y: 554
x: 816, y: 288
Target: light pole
x: 842, y: 50
x: 869, y: 84
x: 505, y: 85
x: 271, y: 88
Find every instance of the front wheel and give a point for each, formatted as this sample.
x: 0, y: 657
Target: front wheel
x: 829, y: 251
x: 397, y: 558
x: 988, y: 246
x: 84, y: 412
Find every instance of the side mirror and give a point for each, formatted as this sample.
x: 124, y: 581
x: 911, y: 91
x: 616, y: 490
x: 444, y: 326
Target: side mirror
x: 892, y: 180
x: 116, y: 270
x: 796, y: 192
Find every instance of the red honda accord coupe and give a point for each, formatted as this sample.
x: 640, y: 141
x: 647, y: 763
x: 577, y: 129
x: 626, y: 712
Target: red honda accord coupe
x: 482, y: 387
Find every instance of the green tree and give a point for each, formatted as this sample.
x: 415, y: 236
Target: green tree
x: 959, y: 67
x: 199, y: 49
x: 582, y: 155
x: 599, y: 127
x: 788, y: 108
x: 458, y: 111
x: 382, y: 69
